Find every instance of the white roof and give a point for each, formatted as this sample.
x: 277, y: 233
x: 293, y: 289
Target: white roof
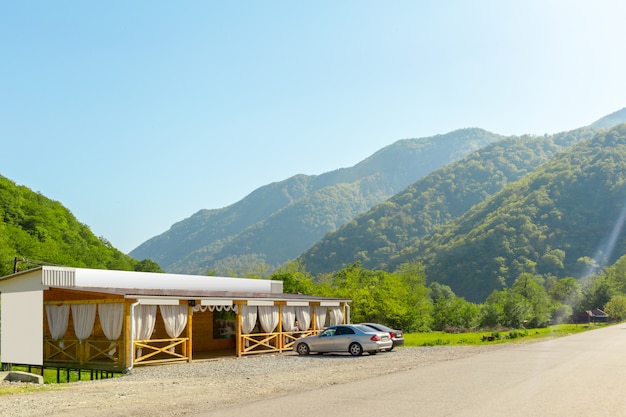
x: 83, y: 277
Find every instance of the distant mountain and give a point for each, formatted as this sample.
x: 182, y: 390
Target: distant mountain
x: 379, y: 236
x: 37, y: 230
x: 564, y: 219
x: 279, y: 221
x: 611, y: 120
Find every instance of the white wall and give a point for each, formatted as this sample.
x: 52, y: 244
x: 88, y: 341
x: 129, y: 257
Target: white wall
x: 22, y: 327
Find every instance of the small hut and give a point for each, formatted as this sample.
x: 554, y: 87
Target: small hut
x: 78, y: 318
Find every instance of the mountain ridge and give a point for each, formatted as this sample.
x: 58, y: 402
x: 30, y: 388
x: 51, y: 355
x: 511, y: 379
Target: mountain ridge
x: 193, y: 245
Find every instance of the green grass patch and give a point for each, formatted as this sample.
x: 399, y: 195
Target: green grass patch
x: 491, y: 337
x: 50, y: 375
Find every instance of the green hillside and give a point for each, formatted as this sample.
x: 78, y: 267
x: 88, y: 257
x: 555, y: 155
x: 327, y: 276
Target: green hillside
x: 38, y: 230
x: 380, y: 235
x: 279, y: 221
x: 563, y: 219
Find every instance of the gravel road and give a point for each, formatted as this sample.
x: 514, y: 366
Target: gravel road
x: 189, y: 388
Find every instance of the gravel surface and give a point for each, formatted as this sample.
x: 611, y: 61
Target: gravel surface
x: 188, y: 388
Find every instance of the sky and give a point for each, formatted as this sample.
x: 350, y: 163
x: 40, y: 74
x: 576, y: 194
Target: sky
x: 137, y: 114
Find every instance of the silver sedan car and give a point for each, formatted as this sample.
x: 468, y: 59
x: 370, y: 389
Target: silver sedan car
x: 352, y: 338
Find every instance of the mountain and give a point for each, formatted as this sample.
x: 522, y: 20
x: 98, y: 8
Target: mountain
x: 611, y: 120
x: 389, y: 228
x: 564, y: 219
x: 277, y: 222
x: 35, y: 230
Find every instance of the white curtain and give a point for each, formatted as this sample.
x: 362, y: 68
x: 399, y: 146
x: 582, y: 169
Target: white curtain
x: 175, y: 319
x: 268, y: 317
x: 143, y: 324
x: 320, y: 317
x: 248, y: 315
x: 289, y: 318
x: 336, y: 316
x: 111, y: 320
x: 84, y: 316
x: 58, y: 318
x: 202, y: 308
x: 303, y: 315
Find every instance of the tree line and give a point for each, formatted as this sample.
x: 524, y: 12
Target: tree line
x: 404, y: 298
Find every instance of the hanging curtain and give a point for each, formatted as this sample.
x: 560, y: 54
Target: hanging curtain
x: 336, y: 316
x: 289, y: 318
x: 199, y: 308
x: 58, y: 318
x: 303, y: 314
x: 320, y: 317
x: 248, y: 315
x: 84, y: 316
x: 175, y: 319
x: 111, y: 320
x: 268, y: 317
x: 143, y: 324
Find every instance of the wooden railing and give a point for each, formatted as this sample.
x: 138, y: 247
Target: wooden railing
x: 90, y: 353
x: 155, y: 351
x: 267, y: 342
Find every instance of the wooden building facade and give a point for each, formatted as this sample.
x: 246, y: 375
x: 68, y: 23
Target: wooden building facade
x: 114, y: 320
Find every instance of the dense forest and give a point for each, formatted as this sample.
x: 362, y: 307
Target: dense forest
x: 379, y: 236
x: 563, y: 219
x: 35, y: 230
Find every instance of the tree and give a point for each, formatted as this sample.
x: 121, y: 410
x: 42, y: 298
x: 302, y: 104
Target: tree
x: 616, y: 308
x: 533, y: 295
x: 295, y: 279
x: 454, y: 312
x: 148, y: 265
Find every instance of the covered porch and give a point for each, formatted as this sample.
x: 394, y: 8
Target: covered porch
x: 114, y: 328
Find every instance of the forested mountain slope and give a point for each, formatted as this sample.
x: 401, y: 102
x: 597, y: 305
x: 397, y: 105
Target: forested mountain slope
x: 378, y: 236
x: 277, y: 222
x: 35, y: 229
x: 563, y: 219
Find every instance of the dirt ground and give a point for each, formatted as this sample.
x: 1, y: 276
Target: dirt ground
x: 189, y: 388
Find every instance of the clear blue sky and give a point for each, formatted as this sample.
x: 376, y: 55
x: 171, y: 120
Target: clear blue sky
x: 137, y: 114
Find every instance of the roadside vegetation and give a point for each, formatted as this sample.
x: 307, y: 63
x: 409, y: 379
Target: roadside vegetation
x: 494, y: 337
x: 403, y: 300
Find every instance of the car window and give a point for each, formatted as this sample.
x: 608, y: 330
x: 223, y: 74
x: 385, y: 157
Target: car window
x: 365, y: 328
x: 328, y: 332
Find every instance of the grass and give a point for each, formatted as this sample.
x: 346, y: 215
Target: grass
x: 50, y: 380
x: 502, y: 336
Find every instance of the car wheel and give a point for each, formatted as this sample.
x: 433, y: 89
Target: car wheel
x: 303, y: 349
x: 390, y: 349
x: 355, y: 349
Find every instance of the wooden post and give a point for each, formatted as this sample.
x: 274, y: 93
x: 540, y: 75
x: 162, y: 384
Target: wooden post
x: 128, y: 349
x: 281, y: 338
x: 189, y: 332
x: 238, y: 346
